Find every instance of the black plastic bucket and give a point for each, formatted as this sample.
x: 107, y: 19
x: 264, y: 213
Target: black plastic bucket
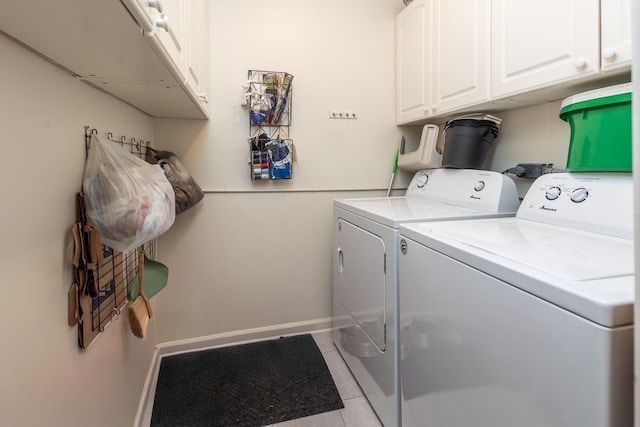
x: 467, y: 143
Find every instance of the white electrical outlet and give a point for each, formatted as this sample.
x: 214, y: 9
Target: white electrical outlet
x: 343, y: 114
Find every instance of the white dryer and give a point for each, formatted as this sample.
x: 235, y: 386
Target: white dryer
x: 365, y: 292
x: 524, y: 321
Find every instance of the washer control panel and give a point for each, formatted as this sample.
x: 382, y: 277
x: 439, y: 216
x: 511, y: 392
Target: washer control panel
x: 598, y: 202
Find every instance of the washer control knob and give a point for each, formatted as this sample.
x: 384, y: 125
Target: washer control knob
x: 579, y: 195
x: 479, y: 186
x: 422, y: 180
x: 553, y: 193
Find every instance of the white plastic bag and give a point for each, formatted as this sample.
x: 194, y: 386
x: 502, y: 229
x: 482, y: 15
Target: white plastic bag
x: 129, y: 200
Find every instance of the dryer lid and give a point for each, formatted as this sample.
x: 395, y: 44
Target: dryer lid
x: 395, y: 210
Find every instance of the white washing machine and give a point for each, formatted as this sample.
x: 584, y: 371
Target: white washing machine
x: 524, y: 321
x: 365, y: 293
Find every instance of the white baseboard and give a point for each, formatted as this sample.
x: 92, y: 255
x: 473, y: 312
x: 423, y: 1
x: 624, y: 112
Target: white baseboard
x: 143, y: 417
x: 242, y: 336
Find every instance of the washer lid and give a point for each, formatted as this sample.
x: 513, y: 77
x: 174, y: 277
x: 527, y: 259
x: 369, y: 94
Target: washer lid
x: 391, y: 211
x: 570, y: 254
x: 589, y: 274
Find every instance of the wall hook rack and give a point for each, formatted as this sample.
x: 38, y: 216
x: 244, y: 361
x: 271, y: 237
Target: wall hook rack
x: 115, y: 276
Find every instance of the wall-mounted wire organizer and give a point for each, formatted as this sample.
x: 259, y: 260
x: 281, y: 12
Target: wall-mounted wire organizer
x: 269, y: 96
x: 103, y: 276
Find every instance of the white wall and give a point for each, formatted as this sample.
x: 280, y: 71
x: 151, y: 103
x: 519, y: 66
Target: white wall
x: 258, y: 254
x: 44, y: 378
x: 530, y: 135
x: 248, y: 257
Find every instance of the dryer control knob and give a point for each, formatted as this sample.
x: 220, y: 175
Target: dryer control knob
x: 479, y: 186
x: 553, y: 193
x: 579, y: 195
x: 422, y: 180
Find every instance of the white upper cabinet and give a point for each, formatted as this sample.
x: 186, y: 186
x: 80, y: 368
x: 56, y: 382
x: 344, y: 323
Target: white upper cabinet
x: 442, y: 57
x: 150, y: 14
x: 539, y: 43
x: 172, y: 34
x: 90, y: 38
x: 179, y: 31
x: 169, y: 30
x: 615, y: 34
x: 198, y: 48
x: 414, y: 38
x: 99, y: 42
x: 461, y: 61
x: 164, y: 24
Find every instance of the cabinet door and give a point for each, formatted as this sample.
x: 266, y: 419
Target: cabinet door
x: 145, y: 12
x: 461, y: 54
x: 165, y: 22
x: 198, y: 48
x: 537, y: 43
x: 615, y: 34
x: 173, y: 37
x: 413, y: 61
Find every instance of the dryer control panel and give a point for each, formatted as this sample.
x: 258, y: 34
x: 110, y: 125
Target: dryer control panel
x: 477, y: 189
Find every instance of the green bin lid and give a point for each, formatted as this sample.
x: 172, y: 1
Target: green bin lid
x: 596, y: 98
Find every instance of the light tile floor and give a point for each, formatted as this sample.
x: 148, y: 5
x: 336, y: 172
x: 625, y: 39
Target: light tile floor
x: 356, y: 412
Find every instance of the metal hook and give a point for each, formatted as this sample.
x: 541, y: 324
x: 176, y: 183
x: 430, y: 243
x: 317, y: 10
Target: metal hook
x: 94, y: 131
x: 123, y: 140
x: 109, y: 135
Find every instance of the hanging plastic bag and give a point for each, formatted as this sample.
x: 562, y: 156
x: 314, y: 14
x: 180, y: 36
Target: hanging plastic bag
x: 129, y: 200
x: 188, y: 192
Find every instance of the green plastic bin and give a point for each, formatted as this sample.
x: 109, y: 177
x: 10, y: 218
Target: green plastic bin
x: 600, y: 123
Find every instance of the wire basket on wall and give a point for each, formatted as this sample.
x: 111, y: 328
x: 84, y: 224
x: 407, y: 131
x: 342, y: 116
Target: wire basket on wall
x: 271, y: 147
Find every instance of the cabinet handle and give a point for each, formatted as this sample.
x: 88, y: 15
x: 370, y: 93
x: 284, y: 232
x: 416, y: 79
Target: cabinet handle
x: 203, y: 97
x: 580, y: 63
x: 434, y: 107
x: 163, y: 23
x: 609, y: 54
x: 156, y: 4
